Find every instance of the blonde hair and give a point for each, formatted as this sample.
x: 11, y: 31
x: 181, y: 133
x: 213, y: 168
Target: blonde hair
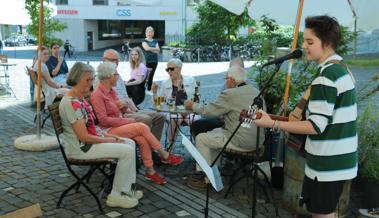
x: 141, y: 58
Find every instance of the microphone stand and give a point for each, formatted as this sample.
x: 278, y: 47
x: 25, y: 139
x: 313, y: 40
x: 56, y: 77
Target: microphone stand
x: 257, y: 103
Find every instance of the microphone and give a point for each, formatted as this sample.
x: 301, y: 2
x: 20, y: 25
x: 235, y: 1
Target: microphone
x: 293, y: 55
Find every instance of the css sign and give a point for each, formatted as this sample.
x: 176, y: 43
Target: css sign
x: 124, y: 12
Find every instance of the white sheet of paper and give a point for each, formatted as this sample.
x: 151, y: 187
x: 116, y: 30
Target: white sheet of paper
x: 213, y: 173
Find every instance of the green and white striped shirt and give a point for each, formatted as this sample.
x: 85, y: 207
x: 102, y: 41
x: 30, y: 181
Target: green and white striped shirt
x: 331, y: 155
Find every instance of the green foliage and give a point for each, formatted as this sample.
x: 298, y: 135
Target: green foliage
x: 50, y: 25
x: 177, y: 44
x: 368, y: 144
x: 370, y: 167
x: 216, y: 25
x: 347, y: 38
x: 271, y: 35
x: 368, y: 132
x: 302, y: 74
x: 363, y: 62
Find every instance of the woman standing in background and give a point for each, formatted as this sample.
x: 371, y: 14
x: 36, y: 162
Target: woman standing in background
x: 151, y: 49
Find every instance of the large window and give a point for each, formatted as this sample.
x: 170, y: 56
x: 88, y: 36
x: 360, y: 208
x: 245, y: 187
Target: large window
x: 61, y: 2
x: 133, y: 30
x: 100, y: 2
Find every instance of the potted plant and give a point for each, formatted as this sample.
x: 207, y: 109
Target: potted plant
x: 368, y: 147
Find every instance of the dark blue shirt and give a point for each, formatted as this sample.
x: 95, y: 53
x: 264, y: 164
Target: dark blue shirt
x: 53, y: 62
x: 150, y: 57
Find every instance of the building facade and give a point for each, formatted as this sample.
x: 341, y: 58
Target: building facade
x: 96, y: 24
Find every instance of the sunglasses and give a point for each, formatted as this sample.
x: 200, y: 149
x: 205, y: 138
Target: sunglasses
x: 168, y: 69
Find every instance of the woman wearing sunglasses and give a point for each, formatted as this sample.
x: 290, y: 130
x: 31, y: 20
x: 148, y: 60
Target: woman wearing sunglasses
x: 177, y: 86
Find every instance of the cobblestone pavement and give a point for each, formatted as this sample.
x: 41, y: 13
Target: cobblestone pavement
x: 40, y: 177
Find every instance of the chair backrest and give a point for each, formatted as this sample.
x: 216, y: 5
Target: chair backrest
x: 56, y: 119
x: 27, y: 212
x: 3, y: 58
x: 58, y: 128
x: 32, y: 74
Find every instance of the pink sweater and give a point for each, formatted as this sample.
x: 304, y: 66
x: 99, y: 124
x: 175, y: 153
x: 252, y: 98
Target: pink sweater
x: 105, y: 105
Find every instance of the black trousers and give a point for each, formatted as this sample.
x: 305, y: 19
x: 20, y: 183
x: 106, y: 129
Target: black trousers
x: 136, y: 93
x: 206, y: 124
x: 153, y: 66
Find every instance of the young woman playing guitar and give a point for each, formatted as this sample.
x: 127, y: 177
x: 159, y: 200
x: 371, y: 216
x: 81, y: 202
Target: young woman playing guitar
x: 330, y: 124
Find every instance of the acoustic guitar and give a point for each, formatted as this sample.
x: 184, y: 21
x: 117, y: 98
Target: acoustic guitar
x: 296, y: 141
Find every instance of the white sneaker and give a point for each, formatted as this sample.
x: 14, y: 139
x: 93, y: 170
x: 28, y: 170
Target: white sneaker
x: 133, y: 193
x: 123, y: 201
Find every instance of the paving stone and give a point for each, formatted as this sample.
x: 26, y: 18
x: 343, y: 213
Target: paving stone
x: 136, y: 213
x: 113, y: 214
x: 8, y: 189
x: 147, y: 208
x: 182, y: 213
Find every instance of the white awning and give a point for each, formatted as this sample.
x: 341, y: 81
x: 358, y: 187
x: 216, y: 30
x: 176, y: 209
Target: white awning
x: 13, y: 13
x: 285, y: 11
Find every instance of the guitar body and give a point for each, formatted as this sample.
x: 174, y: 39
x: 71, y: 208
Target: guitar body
x: 297, y: 142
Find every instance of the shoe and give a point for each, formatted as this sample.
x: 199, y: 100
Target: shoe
x: 156, y: 178
x: 123, y: 201
x: 173, y: 159
x: 133, y: 193
x: 197, y: 181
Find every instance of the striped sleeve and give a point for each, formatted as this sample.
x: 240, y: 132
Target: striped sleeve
x: 321, y: 102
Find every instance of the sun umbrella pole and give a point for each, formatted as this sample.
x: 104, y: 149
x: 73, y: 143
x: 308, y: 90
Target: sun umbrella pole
x: 39, y: 71
x: 294, y: 43
x: 355, y: 26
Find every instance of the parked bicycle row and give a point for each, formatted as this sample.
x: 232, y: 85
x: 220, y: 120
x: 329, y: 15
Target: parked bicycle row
x: 217, y: 53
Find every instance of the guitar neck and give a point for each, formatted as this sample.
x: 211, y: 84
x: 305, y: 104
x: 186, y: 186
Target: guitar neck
x: 277, y: 117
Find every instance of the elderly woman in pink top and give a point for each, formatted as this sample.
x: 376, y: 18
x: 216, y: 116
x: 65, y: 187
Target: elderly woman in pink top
x: 136, y: 85
x: 109, y: 111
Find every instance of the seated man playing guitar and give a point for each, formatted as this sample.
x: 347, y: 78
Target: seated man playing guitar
x: 229, y: 103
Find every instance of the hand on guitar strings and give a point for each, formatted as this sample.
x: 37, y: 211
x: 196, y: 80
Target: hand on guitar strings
x: 264, y: 120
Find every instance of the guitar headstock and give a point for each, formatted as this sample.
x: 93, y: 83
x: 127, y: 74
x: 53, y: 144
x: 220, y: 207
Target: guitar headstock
x: 247, y: 116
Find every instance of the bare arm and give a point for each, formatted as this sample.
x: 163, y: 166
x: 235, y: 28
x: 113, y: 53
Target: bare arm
x: 49, y: 81
x: 55, y: 71
x: 298, y: 127
x: 83, y: 135
x: 155, y: 49
x: 146, y: 46
x: 139, y: 80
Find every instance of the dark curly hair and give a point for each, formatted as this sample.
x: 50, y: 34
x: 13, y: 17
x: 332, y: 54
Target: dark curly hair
x: 326, y: 29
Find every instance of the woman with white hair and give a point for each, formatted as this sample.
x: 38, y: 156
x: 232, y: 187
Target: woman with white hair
x: 151, y: 49
x: 84, y: 141
x: 238, y: 95
x: 109, y: 112
x: 176, y: 87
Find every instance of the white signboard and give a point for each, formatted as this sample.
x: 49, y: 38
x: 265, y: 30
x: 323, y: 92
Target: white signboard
x: 212, y: 173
